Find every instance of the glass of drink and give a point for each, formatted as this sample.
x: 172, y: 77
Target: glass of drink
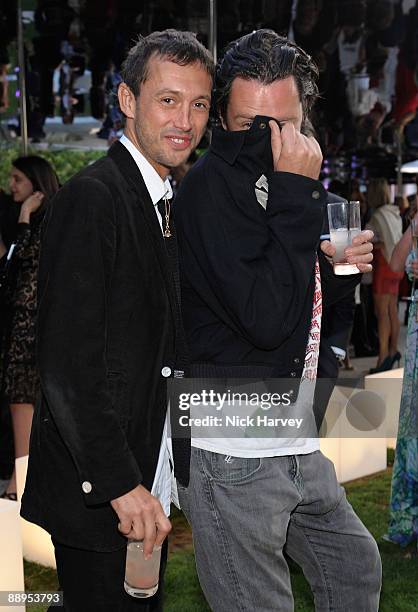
x: 344, y: 225
x: 141, y: 575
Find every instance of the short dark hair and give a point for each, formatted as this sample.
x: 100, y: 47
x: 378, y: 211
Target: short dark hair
x: 265, y: 56
x: 40, y: 173
x: 182, y: 48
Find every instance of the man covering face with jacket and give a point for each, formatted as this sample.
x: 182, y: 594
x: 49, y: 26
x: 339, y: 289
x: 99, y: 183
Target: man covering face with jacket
x: 249, y: 217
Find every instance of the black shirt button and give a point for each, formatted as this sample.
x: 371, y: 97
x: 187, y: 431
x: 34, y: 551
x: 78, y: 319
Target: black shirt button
x: 315, y: 195
x: 293, y: 374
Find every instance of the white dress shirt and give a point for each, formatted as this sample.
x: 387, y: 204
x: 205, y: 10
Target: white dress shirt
x: 164, y: 485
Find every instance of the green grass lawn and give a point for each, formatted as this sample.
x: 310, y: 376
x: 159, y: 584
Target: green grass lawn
x: 369, y: 497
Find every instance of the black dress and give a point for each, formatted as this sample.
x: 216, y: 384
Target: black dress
x: 20, y: 379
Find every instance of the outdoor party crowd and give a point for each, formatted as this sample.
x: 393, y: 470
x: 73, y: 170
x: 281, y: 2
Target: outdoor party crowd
x: 111, y: 288
x: 365, y: 51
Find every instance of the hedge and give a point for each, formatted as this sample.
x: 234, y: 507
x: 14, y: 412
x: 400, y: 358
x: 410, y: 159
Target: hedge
x: 66, y: 162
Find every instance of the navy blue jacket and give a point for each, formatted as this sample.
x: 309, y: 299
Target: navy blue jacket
x: 247, y: 272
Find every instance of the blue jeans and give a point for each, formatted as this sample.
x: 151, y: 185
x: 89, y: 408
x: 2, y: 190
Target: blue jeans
x: 245, y: 513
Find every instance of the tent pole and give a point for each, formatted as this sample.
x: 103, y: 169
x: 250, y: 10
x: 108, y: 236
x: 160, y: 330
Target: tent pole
x: 212, y: 29
x: 22, y: 80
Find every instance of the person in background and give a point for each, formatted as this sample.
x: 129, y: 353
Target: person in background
x: 364, y: 336
x: 407, y: 214
x: 386, y: 224
x: 338, y: 318
x: 403, y: 521
x: 403, y: 204
x: 8, y: 10
x: 9, y: 214
x: 33, y: 182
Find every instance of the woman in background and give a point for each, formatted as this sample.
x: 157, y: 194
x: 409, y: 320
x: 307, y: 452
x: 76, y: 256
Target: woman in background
x: 386, y: 224
x: 33, y: 182
x: 403, y: 522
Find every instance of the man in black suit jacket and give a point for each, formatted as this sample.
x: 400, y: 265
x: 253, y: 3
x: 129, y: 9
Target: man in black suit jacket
x: 109, y: 333
x: 249, y: 216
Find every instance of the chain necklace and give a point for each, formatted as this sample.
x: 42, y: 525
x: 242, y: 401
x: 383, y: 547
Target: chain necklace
x: 167, y: 210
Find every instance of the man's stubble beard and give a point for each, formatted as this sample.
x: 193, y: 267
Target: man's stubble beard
x: 152, y: 146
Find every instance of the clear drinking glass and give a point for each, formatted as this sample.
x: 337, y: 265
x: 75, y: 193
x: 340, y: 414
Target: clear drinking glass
x: 141, y: 576
x: 344, y: 225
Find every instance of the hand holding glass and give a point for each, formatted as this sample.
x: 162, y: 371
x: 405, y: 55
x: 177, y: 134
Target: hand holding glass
x: 141, y: 575
x: 344, y: 225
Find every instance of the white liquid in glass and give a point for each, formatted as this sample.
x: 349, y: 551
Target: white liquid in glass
x: 341, y: 239
x: 141, y: 576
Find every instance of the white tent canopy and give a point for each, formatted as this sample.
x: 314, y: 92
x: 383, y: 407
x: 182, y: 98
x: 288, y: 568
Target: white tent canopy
x: 410, y: 167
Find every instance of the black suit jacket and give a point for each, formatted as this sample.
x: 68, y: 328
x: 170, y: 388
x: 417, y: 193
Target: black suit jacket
x: 106, y: 330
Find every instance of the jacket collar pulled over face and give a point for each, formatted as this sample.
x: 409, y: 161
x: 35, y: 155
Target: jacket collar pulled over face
x: 255, y: 143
